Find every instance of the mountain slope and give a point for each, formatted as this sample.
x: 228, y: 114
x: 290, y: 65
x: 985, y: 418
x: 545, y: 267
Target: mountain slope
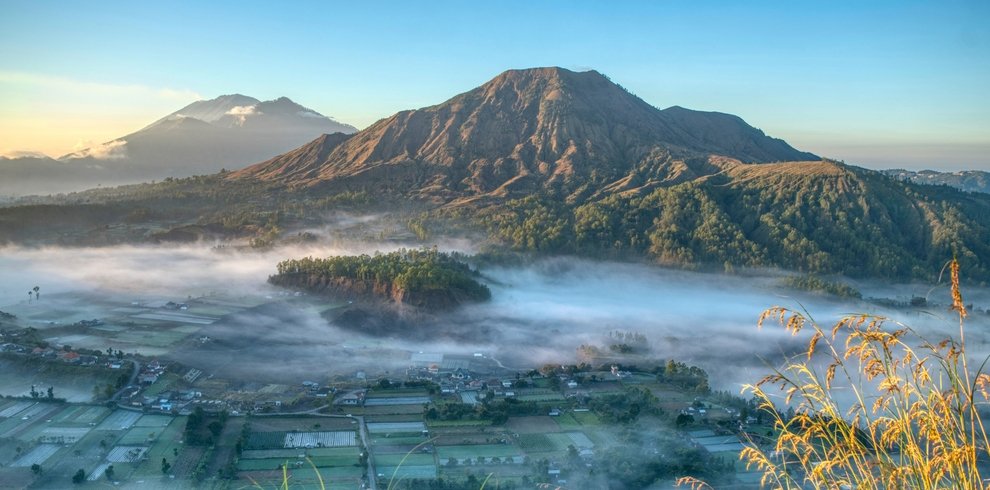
x: 537, y: 129
x: 230, y: 131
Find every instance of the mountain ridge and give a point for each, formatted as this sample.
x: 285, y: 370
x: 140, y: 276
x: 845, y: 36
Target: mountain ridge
x: 526, y: 130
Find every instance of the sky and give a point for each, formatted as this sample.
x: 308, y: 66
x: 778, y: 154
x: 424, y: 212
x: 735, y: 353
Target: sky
x: 880, y: 84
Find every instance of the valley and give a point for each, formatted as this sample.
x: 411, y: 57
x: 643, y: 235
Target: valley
x: 502, y: 389
x: 504, y: 245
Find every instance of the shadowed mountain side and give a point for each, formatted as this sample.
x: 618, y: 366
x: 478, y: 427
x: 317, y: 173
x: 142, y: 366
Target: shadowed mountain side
x: 547, y: 129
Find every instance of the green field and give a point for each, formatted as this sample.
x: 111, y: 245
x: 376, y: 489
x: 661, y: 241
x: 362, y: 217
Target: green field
x: 342, y: 457
x: 403, y: 459
x: 167, y: 440
x: 161, y: 385
x: 544, y: 443
x: 458, y: 423
x: 407, y: 471
x: 474, y: 450
x: 566, y: 421
x: 266, y: 440
x: 587, y: 419
x: 547, y: 397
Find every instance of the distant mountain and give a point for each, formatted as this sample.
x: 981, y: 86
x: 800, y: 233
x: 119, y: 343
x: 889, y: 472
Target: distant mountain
x: 529, y: 130
x: 230, y: 131
x: 967, y: 180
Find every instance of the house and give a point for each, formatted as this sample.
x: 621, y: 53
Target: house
x: 554, y: 412
x: 72, y: 357
x: 572, y: 384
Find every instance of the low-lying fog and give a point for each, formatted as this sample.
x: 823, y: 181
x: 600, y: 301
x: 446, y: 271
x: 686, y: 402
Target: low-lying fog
x: 538, y: 314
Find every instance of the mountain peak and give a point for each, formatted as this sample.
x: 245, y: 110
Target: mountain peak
x: 576, y: 133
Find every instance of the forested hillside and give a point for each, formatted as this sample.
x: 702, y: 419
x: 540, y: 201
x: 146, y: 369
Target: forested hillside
x: 425, y: 278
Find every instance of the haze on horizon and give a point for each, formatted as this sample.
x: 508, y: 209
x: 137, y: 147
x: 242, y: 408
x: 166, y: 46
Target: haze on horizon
x: 891, y: 84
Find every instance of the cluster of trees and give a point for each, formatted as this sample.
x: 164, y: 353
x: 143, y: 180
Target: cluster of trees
x: 814, y: 283
x: 413, y: 271
x: 203, y: 430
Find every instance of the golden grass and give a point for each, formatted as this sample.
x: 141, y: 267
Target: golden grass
x: 912, y: 422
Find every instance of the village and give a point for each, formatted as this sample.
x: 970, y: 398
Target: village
x: 442, y: 418
x: 150, y: 420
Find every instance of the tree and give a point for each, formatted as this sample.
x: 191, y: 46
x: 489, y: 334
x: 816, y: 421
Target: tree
x: 79, y: 477
x: 215, y: 428
x: 165, y: 466
x: 36, y: 469
x: 37, y: 292
x: 109, y: 473
x: 51, y: 392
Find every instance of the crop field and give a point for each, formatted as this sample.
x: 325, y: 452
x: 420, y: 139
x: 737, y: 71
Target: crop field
x: 13, y: 408
x: 392, y: 409
x: 462, y: 452
x: 586, y: 419
x: 566, y: 421
x: 139, y: 436
x: 288, y: 424
x: 405, y: 400
x: 336, y: 465
x: 542, y: 397
x: 459, y: 423
x: 119, y: 420
x: 528, y: 425
x: 396, y: 427
x: 266, y: 440
x: 381, y: 439
x: 162, y: 384
x: 320, y: 439
x: 403, y: 458
x: 154, y: 421
x: 544, y: 443
x: 407, y: 471
x: 81, y: 414
x: 38, y: 455
x: 63, y: 435
x: 166, y: 440
x: 305, y: 478
x: 126, y: 454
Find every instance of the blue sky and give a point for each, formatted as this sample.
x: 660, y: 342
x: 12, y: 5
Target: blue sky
x: 879, y: 84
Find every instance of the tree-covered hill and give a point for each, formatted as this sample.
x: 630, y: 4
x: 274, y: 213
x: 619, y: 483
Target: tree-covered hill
x: 425, y: 278
x: 816, y: 217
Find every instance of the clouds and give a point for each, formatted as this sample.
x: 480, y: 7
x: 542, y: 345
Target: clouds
x: 83, y: 87
x: 539, y: 313
x: 112, y: 150
x: 242, y: 112
x: 21, y: 154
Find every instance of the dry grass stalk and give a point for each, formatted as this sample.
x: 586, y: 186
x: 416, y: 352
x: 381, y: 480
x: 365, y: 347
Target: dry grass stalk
x: 912, y: 422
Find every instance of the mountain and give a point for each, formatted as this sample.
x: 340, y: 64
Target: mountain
x: 967, y: 180
x: 550, y: 161
x: 204, y: 137
x: 573, y: 133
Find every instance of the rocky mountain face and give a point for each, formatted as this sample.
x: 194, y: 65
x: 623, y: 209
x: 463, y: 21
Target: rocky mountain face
x: 542, y: 129
x: 228, y: 132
